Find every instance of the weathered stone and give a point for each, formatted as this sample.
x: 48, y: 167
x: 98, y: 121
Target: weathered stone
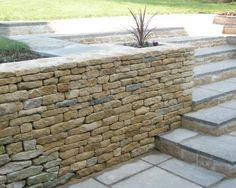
x: 3, y: 179
x: 2, y: 150
x: 66, y: 103
x: 6, y: 140
x: 25, y: 173
x: 43, y: 159
x: 14, y: 148
x: 26, y: 119
x: 33, y: 103
x: 29, y: 145
x: 102, y: 100
x: 14, y: 166
x: 10, y: 108
x: 95, y: 117
x: 91, y: 161
x: 41, y: 178
x: 61, y: 180
x: 12, y: 97
x: 105, y: 157
x: 78, y: 165
x: 45, y: 122
x: 26, y: 155
x: 4, y: 159
x: 40, y: 185
x: 19, y: 184
x: 9, y: 131
x: 25, y: 128
x: 53, y: 163
x: 133, y: 87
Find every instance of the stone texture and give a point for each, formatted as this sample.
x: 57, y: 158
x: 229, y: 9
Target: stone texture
x: 153, y: 178
x: 122, y: 172
x: 41, y: 178
x: 88, y: 183
x: 14, y: 166
x: 156, y: 158
x: 26, y: 155
x: 193, y: 173
x: 25, y: 173
x: 19, y: 184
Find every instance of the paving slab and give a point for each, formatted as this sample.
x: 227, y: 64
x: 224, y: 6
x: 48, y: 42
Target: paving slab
x: 89, y: 183
x: 179, y: 135
x: 214, y: 50
x: 215, y: 116
x: 231, y: 183
x: 124, y: 171
x: 233, y: 80
x: 202, y: 94
x: 211, y: 68
x: 156, y: 157
x: 155, y: 178
x: 192, y: 172
x: 221, y: 148
x: 221, y: 86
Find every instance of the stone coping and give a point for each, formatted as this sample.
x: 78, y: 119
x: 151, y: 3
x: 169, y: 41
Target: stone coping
x: 23, y: 23
x: 54, y: 63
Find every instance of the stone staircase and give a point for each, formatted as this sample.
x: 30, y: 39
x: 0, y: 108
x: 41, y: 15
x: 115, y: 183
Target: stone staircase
x: 208, y: 133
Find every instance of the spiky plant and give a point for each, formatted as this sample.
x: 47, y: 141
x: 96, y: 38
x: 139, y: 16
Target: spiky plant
x: 141, y: 31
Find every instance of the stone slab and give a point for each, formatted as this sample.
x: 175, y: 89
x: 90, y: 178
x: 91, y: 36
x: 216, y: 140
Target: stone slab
x: 124, y: 171
x: 215, y: 116
x: 212, y: 68
x: 202, y: 94
x: 156, y: 157
x: 221, y: 148
x: 230, y: 104
x: 155, y: 178
x: 221, y: 86
x: 192, y: 172
x: 179, y: 135
x: 214, y: 50
x: 89, y: 183
x: 231, y: 183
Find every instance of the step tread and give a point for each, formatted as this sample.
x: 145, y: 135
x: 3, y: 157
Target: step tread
x: 212, y: 68
x: 210, y: 91
x: 214, y: 50
x: 220, y: 148
x: 215, y: 116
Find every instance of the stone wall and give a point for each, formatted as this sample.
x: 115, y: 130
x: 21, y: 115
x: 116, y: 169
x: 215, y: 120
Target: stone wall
x: 61, y: 117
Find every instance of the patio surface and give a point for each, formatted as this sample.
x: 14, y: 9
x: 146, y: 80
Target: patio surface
x: 154, y: 170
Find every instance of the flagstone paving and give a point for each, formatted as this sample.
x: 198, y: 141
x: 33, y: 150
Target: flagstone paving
x: 155, y: 170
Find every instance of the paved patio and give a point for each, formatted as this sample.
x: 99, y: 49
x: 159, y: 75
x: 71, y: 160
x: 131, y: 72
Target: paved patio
x: 154, y: 170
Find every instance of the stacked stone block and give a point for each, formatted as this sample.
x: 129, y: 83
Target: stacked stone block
x: 69, y: 116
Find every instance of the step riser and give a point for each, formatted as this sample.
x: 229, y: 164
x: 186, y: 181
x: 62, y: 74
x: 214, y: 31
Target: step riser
x: 200, y: 60
x: 191, y: 156
x: 208, y: 129
x: 215, y: 77
x: 213, y: 102
x: 208, y: 43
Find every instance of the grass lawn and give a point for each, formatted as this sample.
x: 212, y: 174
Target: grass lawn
x: 11, y: 50
x: 59, y: 9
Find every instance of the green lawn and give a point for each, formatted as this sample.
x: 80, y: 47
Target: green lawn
x: 59, y: 9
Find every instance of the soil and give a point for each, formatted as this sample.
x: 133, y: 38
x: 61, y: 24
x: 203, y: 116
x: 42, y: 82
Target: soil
x: 18, y: 56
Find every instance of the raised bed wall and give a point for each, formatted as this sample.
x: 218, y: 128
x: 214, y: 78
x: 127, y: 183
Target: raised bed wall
x: 61, y: 117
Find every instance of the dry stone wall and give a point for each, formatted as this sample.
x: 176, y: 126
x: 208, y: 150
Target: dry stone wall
x: 62, y: 117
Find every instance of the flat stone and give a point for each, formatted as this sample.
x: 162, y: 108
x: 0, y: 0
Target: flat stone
x: 33, y: 103
x: 221, y: 86
x: 156, y: 157
x: 231, y: 183
x: 212, y: 68
x: 233, y: 80
x: 202, y: 94
x: 124, y: 171
x: 26, y: 155
x: 214, y: 50
x: 3, y: 179
x: 179, y: 135
x: 19, y: 184
x: 90, y: 183
x: 41, y: 178
x: 14, y: 166
x: 214, y: 116
x: 25, y: 173
x: 192, y: 172
x: 4, y: 159
x: 220, y: 148
x: 155, y: 178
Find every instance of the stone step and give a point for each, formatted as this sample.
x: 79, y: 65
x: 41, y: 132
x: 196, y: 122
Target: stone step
x: 213, y: 54
x: 210, y: 95
x: 197, y: 41
x: 212, y: 72
x: 216, y: 120
x: 214, y: 153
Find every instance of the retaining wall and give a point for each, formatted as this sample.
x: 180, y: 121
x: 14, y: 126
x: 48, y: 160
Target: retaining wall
x: 61, y: 117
